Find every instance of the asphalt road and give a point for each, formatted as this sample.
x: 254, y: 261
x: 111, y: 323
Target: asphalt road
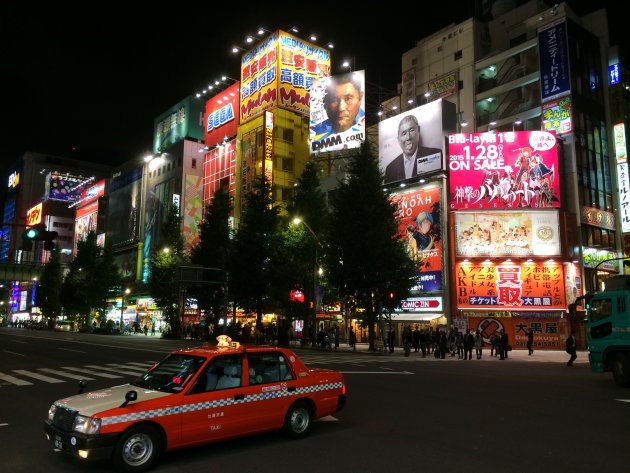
x: 525, y: 414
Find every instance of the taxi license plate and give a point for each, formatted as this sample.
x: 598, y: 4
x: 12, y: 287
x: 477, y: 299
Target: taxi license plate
x: 57, y: 442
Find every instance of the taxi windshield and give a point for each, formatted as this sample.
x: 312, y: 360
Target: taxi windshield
x: 171, y: 374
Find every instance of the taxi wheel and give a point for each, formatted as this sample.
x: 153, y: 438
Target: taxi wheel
x: 297, y: 423
x: 137, y: 450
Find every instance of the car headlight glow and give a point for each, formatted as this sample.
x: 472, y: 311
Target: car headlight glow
x: 51, y: 412
x: 87, y: 425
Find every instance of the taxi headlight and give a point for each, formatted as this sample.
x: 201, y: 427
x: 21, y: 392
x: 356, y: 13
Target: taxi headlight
x: 51, y: 412
x: 87, y: 425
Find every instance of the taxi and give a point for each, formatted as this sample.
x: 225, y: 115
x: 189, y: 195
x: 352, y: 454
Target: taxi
x: 192, y: 397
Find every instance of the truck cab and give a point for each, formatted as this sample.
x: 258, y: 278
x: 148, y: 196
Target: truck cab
x: 608, y: 329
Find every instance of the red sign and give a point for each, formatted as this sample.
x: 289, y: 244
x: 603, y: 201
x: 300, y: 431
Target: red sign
x: 221, y: 118
x: 296, y: 296
x: 34, y: 215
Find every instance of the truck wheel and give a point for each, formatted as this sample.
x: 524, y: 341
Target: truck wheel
x: 137, y: 450
x: 621, y: 370
x: 297, y: 423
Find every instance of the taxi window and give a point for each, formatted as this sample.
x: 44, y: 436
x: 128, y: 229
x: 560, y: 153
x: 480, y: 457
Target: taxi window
x: 221, y: 373
x: 268, y: 368
x: 171, y: 374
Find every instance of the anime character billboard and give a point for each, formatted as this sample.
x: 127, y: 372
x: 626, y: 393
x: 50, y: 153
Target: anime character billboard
x: 503, y: 170
x: 419, y: 225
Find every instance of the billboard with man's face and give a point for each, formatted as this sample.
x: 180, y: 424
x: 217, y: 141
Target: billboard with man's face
x: 411, y: 143
x: 337, y: 106
x: 503, y: 170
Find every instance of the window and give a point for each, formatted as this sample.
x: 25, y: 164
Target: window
x: 287, y: 164
x: 268, y: 368
x: 194, y: 163
x: 457, y: 55
x: 600, y: 309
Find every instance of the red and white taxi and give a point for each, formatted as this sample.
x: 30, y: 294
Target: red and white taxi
x: 195, y: 396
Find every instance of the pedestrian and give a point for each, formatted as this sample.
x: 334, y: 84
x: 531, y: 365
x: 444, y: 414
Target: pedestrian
x: 478, y: 344
x: 416, y: 339
x: 336, y: 336
x: 503, y: 345
x: 146, y: 329
x: 571, y: 348
x: 494, y: 344
x: 469, y: 343
x: 353, y: 339
x: 153, y: 329
x: 530, y: 341
x: 391, y: 338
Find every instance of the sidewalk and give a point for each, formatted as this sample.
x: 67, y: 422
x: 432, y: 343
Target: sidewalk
x: 554, y: 356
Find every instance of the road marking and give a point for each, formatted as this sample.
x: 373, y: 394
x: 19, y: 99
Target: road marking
x: 3, y: 425
x: 95, y: 373
x: 20, y: 341
x: 376, y: 372
x: 328, y: 419
x: 117, y: 366
x: 13, y: 380
x: 623, y: 400
x: 142, y: 365
x: 13, y: 353
x: 67, y: 375
x: 41, y: 377
x: 117, y: 370
x: 69, y: 349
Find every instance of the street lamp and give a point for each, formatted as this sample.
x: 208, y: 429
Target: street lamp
x: 297, y: 221
x: 122, y: 309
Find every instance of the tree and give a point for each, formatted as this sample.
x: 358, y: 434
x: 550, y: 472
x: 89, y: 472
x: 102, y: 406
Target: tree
x: 255, y: 251
x: 212, y: 252
x: 48, y: 297
x: 366, y: 257
x: 163, y: 284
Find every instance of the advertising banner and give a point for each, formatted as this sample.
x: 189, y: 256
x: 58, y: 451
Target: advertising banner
x: 221, y: 116
x: 496, y: 234
x: 526, y: 286
x: 124, y: 206
x: 411, y: 143
x: 597, y: 217
x: 182, y: 120
x: 604, y: 260
x: 549, y: 331
x: 443, y: 86
x: 279, y: 71
x: 553, y: 50
x: 503, y: 170
x: 64, y: 187
x: 623, y: 184
x: 556, y: 115
x: 337, y: 107
x: 34, y: 215
x: 419, y: 212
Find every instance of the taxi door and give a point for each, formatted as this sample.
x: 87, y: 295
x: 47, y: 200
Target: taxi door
x: 210, y: 410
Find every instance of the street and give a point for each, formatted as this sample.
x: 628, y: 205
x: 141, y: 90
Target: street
x: 523, y: 414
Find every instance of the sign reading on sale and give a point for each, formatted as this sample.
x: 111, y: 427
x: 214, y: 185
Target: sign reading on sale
x: 503, y: 170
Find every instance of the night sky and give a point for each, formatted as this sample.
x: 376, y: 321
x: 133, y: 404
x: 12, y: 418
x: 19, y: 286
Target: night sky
x: 89, y: 85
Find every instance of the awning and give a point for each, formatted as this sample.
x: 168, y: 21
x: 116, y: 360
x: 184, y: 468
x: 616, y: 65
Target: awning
x: 414, y: 317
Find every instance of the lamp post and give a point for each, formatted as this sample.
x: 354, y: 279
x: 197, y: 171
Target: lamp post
x: 297, y: 221
x: 122, y: 309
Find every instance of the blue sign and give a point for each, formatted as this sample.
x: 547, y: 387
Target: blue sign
x: 555, y: 78
x: 613, y: 74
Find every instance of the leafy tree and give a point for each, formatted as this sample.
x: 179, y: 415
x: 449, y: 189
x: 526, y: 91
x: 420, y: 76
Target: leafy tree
x: 255, y: 251
x: 163, y: 284
x: 366, y: 257
x: 212, y: 252
x: 48, y: 291
x: 300, y: 245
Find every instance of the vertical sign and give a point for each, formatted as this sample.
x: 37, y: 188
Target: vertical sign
x: 619, y: 133
x: 623, y: 184
x: 555, y: 79
x: 269, y: 146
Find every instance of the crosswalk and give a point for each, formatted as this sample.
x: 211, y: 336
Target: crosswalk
x: 128, y: 371
x: 67, y: 373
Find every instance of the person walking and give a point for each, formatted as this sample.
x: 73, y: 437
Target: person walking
x: 503, y: 345
x: 530, y: 341
x: 353, y: 339
x: 571, y: 346
x: 336, y: 336
x: 469, y: 343
x: 478, y: 344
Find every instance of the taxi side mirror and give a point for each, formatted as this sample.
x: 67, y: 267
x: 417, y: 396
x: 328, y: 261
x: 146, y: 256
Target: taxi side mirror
x: 130, y: 396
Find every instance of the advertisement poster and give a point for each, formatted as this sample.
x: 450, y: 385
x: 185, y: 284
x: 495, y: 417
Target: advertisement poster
x: 410, y: 144
x: 492, y: 234
x: 526, y: 286
x: 337, y: 107
x: 63, y: 187
x: 419, y: 224
x: 221, y: 116
x: 219, y: 171
x: 553, y: 52
x: 550, y: 332
x: 503, y: 170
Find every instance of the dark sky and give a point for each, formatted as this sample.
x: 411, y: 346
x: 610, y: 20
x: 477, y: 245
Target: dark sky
x: 89, y: 85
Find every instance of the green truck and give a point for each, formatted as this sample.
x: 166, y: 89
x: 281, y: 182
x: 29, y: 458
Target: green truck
x: 608, y: 329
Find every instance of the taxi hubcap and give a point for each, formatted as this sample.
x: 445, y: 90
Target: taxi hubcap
x: 299, y: 420
x: 138, y: 449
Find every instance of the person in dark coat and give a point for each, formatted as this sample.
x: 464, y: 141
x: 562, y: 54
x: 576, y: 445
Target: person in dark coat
x: 530, y: 341
x: 503, y: 343
x: 571, y: 348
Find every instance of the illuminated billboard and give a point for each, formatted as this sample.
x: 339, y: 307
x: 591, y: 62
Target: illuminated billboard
x: 337, y: 105
x: 553, y: 54
x: 556, y: 115
x: 64, y: 187
x: 279, y: 72
x: 419, y: 225
x: 503, y: 170
x: 411, y: 143
x: 219, y: 171
x: 182, y: 120
x: 527, y: 286
x: 34, y: 215
x: 221, y: 119
x: 495, y: 234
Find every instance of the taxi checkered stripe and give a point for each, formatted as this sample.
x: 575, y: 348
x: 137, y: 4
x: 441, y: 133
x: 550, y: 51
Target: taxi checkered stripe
x: 199, y: 406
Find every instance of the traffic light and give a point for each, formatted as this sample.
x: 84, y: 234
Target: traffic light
x: 38, y: 233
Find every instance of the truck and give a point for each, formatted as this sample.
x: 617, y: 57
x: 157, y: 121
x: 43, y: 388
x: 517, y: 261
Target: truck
x: 608, y: 329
